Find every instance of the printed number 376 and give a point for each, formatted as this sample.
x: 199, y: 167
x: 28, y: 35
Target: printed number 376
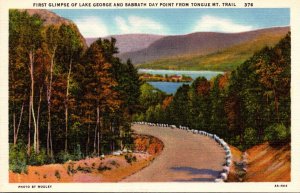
x: 248, y: 4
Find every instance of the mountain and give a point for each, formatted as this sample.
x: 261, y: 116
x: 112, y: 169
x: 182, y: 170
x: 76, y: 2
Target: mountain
x: 199, y: 44
x: 51, y: 18
x: 130, y: 42
x: 224, y: 60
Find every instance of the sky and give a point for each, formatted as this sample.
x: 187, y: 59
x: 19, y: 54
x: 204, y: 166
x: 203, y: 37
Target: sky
x: 105, y: 22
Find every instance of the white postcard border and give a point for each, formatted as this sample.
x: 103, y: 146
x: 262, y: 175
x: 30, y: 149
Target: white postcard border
x: 293, y: 186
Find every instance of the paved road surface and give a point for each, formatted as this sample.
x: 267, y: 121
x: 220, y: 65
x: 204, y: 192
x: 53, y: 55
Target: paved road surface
x: 186, y: 157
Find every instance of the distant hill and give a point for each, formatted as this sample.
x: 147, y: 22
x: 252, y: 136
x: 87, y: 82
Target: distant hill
x: 130, y: 42
x: 51, y: 18
x: 224, y: 60
x: 183, y: 48
x: 195, y: 51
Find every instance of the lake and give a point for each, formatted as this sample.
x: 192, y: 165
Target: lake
x: 171, y: 87
x: 168, y: 87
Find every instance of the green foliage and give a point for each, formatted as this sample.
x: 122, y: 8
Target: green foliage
x: 18, y: 158
x: 77, y: 155
x: 97, y: 79
x: 154, y: 114
x: 127, y: 137
x: 150, y: 96
x: 138, y: 117
x: 239, y: 106
x: 179, y: 111
x: 250, y: 137
x: 277, y: 134
x: 63, y: 156
x: 40, y: 158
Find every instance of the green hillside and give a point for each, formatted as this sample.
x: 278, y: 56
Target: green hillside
x: 224, y: 60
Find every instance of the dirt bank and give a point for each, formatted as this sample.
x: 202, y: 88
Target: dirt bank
x: 263, y: 164
x: 108, y: 169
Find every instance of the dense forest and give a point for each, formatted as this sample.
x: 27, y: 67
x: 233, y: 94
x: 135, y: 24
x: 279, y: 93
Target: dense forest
x: 246, y: 107
x: 66, y: 101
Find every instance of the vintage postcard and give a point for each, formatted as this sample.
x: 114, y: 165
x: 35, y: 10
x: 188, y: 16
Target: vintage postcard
x: 149, y: 96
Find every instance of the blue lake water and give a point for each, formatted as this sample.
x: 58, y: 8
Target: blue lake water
x: 168, y: 87
x: 171, y: 87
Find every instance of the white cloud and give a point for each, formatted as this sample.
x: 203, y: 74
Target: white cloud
x: 135, y: 24
x: 216, y: 24
x: 92, y: 27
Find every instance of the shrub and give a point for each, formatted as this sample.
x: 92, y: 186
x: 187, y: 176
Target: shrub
x: 129, y: 158
x: 103, y: 168
x: 38, y: 158
x: 77, y: 153
x: 277, y: 134
x: 84, y: 169
x: 134, y: 159
x: 57, y: 174
x: 250, y: 137
x: 71, y: 169
x: 18, y: 158
x: 114, y: 163
x: 62, y: 157
x: 235, y: 140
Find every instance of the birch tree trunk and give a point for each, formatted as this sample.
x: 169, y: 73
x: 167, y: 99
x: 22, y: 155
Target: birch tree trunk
x: 49, y: 94
x: 96, y: 141
x: 31, y: 59
x: 37, y: 123
x: 67, y: 106
x: 29, y: 129
x: 88, y: 139
x: 17, y: 128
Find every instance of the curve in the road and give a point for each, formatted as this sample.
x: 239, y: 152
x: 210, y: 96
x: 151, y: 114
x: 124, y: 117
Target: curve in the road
x: 186, y: 157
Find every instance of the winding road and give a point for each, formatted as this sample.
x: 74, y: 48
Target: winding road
x: 186, y: 157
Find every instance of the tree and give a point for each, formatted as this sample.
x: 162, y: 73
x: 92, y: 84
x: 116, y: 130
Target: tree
x: 179, y: 111
x: 200, y: 104
x: 218, y: 119
x: 18, y: 76
x: 274, y: 71
x: 70, y: 50
x: 29, y: 40
x: 58, y: 94
x: 52, y: 40
x: 104, y: 98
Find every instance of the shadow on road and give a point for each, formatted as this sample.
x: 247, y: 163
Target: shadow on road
x: 194, y: 172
